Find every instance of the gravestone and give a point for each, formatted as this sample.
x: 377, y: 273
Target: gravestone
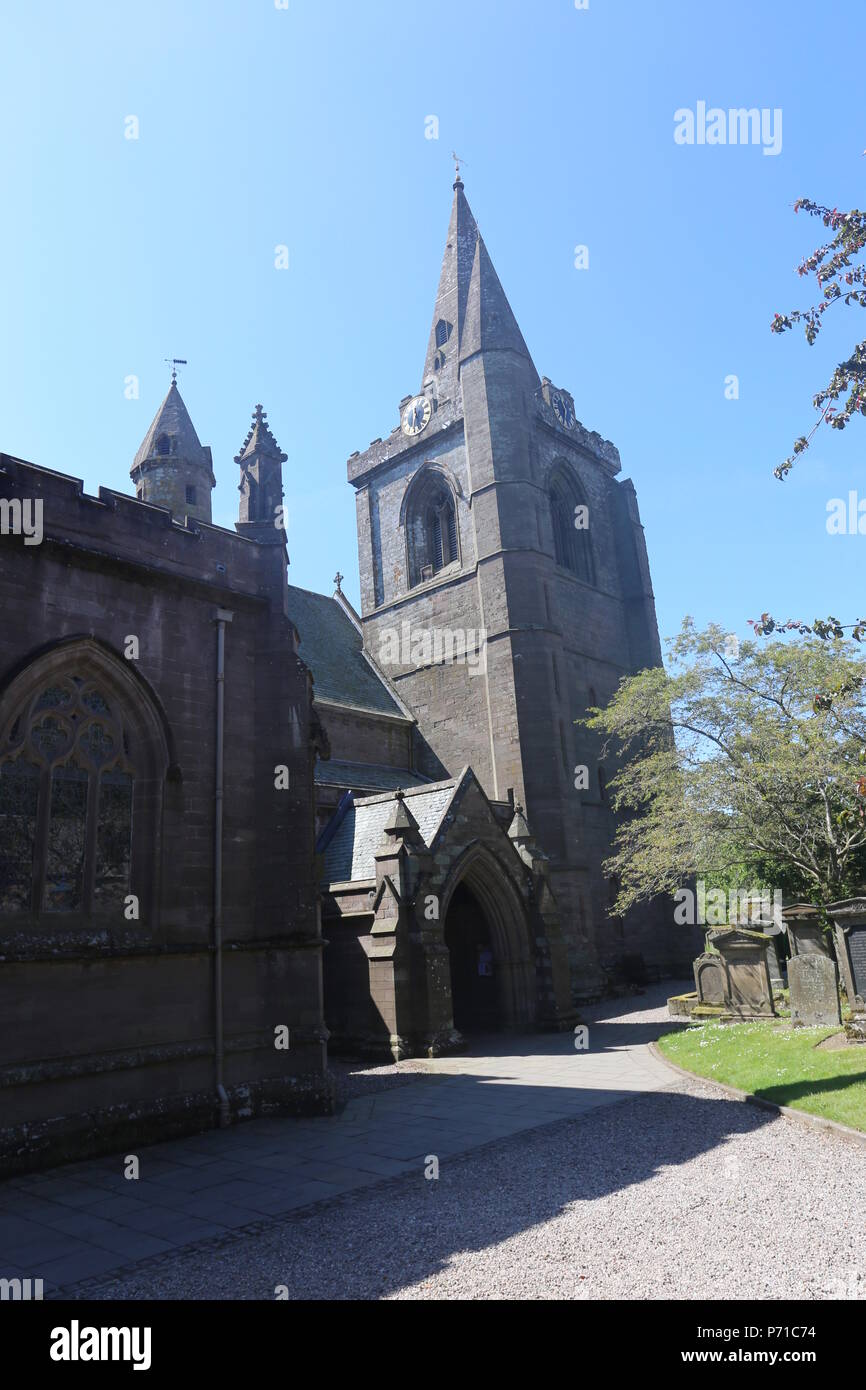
x: 814, y: 991
x: 849, y: 935
x: 748, y: 993
x: 806, y: 935
x: 710, y: 978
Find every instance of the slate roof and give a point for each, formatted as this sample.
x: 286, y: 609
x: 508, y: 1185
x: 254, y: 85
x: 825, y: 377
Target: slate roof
x: 331, y: 646
x: 349, y: 855
x: 370, y: 776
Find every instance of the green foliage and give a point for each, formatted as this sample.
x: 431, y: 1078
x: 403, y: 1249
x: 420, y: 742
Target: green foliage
x: 840, y: 280
x: 743, y: 771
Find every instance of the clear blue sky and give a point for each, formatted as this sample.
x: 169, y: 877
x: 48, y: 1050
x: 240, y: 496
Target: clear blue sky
x: 306, y: 127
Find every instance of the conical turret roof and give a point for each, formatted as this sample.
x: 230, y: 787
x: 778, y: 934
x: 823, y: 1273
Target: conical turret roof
x: 171, y: 423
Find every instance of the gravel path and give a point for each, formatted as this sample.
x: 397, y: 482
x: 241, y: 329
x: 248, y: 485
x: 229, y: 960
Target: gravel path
x: 681, y: 1193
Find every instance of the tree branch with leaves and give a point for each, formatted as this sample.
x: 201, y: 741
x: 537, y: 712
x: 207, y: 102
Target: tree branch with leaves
x: 840, y: 279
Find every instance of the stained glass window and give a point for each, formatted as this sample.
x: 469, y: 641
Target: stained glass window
x: 19, y: 792
x: 66, y: 804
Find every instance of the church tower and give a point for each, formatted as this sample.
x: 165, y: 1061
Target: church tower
x: 505, y: 588
x: 172, y: 469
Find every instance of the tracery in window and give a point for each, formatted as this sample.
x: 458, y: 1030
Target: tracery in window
x: 66, y: 798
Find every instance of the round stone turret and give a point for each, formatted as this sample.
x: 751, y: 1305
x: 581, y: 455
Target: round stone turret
x: 172, y: 468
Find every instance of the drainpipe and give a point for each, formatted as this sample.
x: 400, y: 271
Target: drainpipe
x: 221, y: 617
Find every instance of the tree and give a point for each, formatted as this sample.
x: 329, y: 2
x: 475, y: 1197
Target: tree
x: 744, y: 772
x: 840, y: 279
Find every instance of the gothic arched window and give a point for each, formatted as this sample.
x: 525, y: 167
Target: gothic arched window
x: 66, y: 799
x: 569, y: 515
x: 431, y: 529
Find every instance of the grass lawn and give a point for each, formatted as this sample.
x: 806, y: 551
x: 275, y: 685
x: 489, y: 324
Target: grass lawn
x: 777, y: 1062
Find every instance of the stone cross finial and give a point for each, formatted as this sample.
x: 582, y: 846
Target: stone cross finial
x: 338, y: 579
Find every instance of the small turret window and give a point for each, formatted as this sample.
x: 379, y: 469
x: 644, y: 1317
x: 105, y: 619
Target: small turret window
x: 191, y: 496
x: 163, y: 445
x: 443, y: 333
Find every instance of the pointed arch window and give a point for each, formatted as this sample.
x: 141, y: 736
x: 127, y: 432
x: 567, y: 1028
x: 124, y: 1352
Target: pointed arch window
x: 67, y: 775
x: 571, y: 543
x: 163, y: 445
x: 431, y: 530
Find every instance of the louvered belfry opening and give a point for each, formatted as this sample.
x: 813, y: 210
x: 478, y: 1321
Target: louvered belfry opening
x: 571, y: 543
x: 442, y: 528
x: 431, y: 531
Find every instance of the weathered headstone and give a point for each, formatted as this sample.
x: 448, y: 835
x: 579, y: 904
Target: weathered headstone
x: 748, y: 993
x: 814, y: 994
x: 710, y: 978
x: 806, y: 935
x: 849, y: 935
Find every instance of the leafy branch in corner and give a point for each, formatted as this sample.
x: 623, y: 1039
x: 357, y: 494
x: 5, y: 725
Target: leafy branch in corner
x: 840, y: 279
x: 825, y: 629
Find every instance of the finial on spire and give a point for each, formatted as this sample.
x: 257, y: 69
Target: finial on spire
x: 338, y: 579
x: 458, y: 182
x: 259, y: 438
x: 175, y: 363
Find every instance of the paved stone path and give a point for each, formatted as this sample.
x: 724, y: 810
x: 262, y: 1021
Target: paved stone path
x: 87, y: 1220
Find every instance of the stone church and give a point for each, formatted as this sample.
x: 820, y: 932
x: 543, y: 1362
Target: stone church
x: 240, y: 820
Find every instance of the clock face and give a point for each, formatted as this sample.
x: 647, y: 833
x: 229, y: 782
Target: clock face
x: 416, y: 415
x: 564, y: 413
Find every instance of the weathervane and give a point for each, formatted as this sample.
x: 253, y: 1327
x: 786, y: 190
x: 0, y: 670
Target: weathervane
x: 175, y: 363
x: 457, y: 162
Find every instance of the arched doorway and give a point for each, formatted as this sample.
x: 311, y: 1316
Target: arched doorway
x: 474, y: 987
x: 490, y: 947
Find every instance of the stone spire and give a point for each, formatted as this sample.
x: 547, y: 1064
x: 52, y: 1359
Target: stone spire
x: 471, y: 313
x: 260, y: 511
x: 172, y: 468
x: 489, y: 324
